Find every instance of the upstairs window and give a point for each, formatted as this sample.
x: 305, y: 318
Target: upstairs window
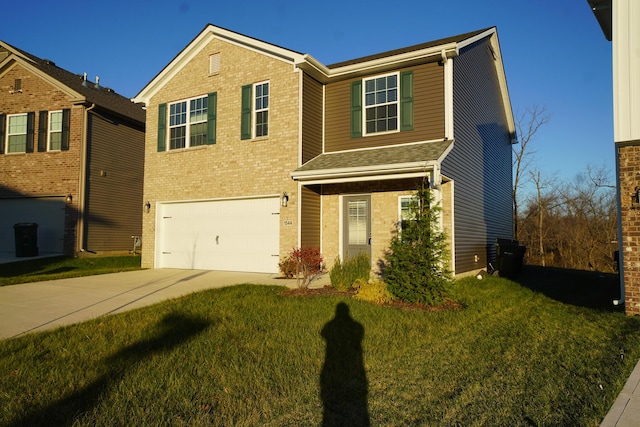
x: 17, y: 133
x: 382, y: 104
x: 191, y: 123
x: 255, y: 111
x: 55, y: 130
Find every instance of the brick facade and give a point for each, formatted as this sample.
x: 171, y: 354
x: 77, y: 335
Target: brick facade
x: 23, y: 174
x: 629, y: 170
x: 231, y: 167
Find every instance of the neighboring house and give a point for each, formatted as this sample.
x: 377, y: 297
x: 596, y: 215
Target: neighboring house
x: 619, y: 21
x: 253, y: 149
x: 71, y: 159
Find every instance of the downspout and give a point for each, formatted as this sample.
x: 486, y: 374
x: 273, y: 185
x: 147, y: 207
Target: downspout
x: 83, y: 177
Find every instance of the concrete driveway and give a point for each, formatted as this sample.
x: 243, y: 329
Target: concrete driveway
x: 38, y: 306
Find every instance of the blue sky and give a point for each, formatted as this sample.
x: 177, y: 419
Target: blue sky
x: 554, y: 53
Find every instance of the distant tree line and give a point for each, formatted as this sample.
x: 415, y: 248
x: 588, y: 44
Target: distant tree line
x: 562, y: 224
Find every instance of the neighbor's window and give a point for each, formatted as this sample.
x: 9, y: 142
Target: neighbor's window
x: 17, y: 133
x: 381, y: 104
x: 262, y: 109
x: 188, y: 123
x: 55, y: 130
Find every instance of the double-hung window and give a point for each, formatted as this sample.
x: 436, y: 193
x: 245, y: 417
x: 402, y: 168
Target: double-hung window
x: 382, y: 104
x: 255, y: 111
x: 17, y: 133
x: 188, y: 123
x: 191, y: 123
x: 55, y: 130
x: 407, y: 210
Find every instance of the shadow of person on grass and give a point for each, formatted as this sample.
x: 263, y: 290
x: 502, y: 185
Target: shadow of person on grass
x: 173, y: 330
x: 343, y: 381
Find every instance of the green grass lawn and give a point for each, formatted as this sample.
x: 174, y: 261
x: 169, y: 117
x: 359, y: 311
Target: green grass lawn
x: 252, y: 356
x: 53, y: 268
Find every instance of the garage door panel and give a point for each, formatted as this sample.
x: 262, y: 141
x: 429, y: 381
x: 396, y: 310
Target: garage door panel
x: 234, y: 235
x: 48, y: 213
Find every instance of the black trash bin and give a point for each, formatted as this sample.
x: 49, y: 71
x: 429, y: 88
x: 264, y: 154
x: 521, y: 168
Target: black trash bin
x: 509, y: 258
x: 26, y: 239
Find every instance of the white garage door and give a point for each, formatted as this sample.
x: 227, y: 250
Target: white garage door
x: 47, y: 212
x: 231, y: 235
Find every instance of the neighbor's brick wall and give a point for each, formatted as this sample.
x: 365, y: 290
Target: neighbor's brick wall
x: 232, y: 167
x: 41, y: 173
x: 629, y: 159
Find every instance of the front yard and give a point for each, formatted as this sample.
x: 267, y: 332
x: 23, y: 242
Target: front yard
x: 253, y: 356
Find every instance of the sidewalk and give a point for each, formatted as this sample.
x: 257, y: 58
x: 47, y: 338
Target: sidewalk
x: 625, y: 411
x: 38, y: 306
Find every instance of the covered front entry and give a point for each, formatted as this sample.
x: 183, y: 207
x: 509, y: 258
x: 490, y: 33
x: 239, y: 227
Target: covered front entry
x: 357, y: 225
x: 232, y: 235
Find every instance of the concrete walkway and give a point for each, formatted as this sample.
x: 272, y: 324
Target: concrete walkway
x: 32, y: 307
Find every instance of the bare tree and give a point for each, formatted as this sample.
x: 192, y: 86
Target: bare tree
x: 527, y: 124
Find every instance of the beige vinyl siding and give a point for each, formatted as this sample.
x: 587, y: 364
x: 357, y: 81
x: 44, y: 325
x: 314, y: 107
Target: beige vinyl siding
x: 310, y: 218
x: 428, y: 112
x: 311, y: 118
x: 115, y: 169
x: 480, y: 162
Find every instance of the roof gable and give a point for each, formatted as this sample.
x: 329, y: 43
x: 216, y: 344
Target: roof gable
x: 74, y: 85
x: 209, y: 33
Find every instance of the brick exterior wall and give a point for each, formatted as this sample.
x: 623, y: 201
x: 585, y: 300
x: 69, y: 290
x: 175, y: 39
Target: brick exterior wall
x: 232, y: 167
x: 629, y: 164
x: 42, y: 173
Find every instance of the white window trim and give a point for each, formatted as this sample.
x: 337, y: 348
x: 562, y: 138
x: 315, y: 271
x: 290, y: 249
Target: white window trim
x: 49, y: 131
x: 187, y: 124
x: 364, y: 104
x: 255, y: 111
x: 9, y: 134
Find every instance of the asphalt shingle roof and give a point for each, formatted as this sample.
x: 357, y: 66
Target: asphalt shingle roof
x: 101, y: 96
x: 397, y: 155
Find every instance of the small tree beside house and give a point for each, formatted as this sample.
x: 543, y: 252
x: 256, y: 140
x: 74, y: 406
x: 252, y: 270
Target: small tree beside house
x: 415, y: 267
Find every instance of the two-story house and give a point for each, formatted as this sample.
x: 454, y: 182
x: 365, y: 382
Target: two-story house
x: 253, y: 149
x: 71, y: 159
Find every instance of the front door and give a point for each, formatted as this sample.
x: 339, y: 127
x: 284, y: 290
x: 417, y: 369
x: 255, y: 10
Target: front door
x: 357, y: 225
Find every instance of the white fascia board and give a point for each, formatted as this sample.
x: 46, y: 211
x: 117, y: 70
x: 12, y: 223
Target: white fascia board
x: 210, y: 33
x: 343, y: 180
x: 324, y: 74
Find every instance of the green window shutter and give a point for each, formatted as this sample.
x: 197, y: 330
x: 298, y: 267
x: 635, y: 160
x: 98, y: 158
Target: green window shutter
x: 406, y: 101
x: 31, y: 118
x: 3, y: 123
x: 212, y: 106
x: 245, y: 122
x: 162, y: 127
x: 66, y: 128
x: 356, y: 109
x: 42, y: 130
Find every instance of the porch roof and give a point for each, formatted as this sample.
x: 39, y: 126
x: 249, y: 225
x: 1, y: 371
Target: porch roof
x: 375, y: 163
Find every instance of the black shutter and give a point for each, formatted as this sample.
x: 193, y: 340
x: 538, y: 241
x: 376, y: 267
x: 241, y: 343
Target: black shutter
x: 31, y: 118
x: 42, y: 130
x: 3, y: 122
x: 66, y: 125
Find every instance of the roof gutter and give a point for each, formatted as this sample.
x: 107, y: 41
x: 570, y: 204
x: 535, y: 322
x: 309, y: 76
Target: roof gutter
x: 365, y: 173
x: 324, y: 74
